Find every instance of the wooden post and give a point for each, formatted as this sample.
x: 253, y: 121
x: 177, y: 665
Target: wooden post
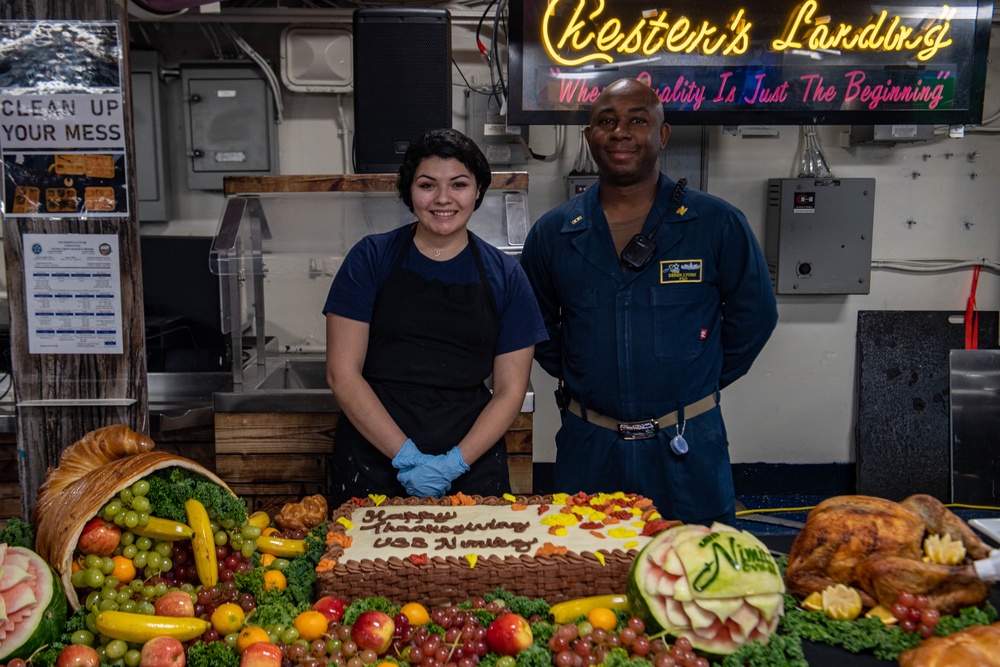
x: 72, y: 394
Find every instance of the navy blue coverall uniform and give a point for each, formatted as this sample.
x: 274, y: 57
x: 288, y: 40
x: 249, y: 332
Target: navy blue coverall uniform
x: 636, y: 345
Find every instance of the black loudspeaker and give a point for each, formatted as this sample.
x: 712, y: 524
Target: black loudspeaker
x: 402, y: 82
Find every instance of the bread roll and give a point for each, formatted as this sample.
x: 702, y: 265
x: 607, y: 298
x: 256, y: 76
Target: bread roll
x: 978, y: 646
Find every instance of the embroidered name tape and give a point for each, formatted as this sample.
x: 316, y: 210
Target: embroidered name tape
x: 680, y: 271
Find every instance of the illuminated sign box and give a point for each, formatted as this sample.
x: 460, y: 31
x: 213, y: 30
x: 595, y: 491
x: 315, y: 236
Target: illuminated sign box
x: 773, y: 62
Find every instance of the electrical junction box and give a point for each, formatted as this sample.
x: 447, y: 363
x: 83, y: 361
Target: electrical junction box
x: 578, y: 183
x: 818, y: 234
x: 230, y: 123
x: 890, y: 134
x: 152, y: 170
x: 500, y: 142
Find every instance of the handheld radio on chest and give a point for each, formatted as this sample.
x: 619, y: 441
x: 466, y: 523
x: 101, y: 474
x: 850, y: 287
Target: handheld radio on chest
x: 640, y: 248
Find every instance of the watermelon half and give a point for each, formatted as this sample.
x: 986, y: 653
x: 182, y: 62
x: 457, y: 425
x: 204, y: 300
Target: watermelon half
x: 718, y: 587
x: 32, y: 603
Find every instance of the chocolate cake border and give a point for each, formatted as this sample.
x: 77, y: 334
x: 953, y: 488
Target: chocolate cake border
x: 450, y: 580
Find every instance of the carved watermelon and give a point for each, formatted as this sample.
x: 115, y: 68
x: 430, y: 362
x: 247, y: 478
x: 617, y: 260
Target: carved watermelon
x: 32, y: 603
x: 718, y: 587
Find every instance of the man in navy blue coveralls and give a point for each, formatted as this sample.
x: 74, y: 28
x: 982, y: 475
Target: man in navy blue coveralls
x: 644, y: 333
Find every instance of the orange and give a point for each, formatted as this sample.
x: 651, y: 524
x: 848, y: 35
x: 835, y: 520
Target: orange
x: 274, y: 579
x: 415, y: 613
x: 311, y: 625
x: 386, y: 663
x: 251, y: 634
x: 228, y: 618
x: 270, y: 531
x: 124, y: 569
x: 267, y: 559
x: 602, y: 617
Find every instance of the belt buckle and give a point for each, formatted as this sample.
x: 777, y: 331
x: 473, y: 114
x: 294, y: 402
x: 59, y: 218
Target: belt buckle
x: 643, y: 430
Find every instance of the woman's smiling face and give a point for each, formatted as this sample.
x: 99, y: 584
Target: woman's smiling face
x: 444, y: 195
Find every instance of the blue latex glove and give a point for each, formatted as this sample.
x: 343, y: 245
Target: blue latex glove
x: 434, y: 477
x: 409, y: 456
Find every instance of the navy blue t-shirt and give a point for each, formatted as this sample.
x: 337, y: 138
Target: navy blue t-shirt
x: 368, y: 263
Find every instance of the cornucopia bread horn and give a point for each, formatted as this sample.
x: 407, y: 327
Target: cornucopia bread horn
x: 90, y: 473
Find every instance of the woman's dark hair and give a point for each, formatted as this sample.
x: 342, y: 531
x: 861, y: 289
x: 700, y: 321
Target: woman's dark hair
x: 443, y: 143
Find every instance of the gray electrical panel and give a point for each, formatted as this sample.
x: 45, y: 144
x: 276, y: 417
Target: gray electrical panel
x: 501, y: 143
x: 152, y: 163
x: 818, y: 234
x: 230, y: 123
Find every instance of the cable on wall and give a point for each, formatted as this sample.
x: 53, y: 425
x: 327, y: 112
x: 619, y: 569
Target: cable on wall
x: 272, y: 79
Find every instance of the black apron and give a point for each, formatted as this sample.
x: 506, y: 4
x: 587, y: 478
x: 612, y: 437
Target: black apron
x: 430, y: 350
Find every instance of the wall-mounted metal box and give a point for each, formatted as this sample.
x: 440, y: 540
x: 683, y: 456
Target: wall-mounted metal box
x: 890, y: 135
x: 152, y: 162
x: 818, y: 234
x: 230, y: 123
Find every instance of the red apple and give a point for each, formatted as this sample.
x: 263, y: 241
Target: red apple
x: 373, y: 630
x: 331, y: 607
x: 78, y: 655
x: 175, y: 603
x: 162, y: 651
x: 509, y: 634
x: 99, y: 537
x: 261, y: 654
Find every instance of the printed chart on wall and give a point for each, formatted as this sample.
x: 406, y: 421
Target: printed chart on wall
x: 62, y: 125
x: 73, y: 288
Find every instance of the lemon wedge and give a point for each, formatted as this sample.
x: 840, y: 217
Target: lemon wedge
x: 813, y: 602
x: 882, y: 614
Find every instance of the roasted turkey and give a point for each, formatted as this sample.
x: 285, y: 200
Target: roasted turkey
x: 876, y: 546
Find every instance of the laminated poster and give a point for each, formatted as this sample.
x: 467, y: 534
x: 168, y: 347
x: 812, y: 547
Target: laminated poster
x: 62, y: 124
x: 73, y: 293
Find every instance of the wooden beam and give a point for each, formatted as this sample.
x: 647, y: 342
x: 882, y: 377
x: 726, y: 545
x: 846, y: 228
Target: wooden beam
x: 249, y: 185
x: 69, y: 393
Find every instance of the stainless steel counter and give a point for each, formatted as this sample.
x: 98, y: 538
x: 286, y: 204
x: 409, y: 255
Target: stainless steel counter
x: 293, y: 383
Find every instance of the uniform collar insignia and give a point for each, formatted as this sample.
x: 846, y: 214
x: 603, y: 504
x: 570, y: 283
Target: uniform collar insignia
x: 682, y: 210
x: 576, y: 220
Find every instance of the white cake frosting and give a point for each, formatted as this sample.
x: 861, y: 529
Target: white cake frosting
x: 484, y: 531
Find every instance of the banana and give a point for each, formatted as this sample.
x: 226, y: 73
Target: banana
x: 164, y: 529
x: 202, y: 543
x: 259, y: 519
x: 140, y: 628
x: 569, y: 611
x: 280, y: 546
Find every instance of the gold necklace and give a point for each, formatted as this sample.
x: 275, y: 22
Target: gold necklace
x: 438, y: 252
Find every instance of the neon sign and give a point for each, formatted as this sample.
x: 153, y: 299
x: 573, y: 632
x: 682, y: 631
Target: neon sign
x: 773, y: 61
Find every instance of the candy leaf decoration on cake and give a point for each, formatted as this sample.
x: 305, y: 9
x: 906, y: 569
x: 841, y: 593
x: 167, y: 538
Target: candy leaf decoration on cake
x: 718, y: 587
x: 377, y: 498
x: 472, y: 558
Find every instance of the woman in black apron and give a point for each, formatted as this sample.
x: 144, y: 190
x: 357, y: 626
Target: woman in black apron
x: 417, y: 417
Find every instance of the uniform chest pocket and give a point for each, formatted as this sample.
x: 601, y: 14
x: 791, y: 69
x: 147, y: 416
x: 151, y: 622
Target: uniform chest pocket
x: 583, y: 325
x: 680, y: 316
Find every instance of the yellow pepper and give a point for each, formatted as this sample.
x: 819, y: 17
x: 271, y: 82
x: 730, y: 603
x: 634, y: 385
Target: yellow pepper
x: 259, y: 519
x: 164, y: 529
x: 569, y: 611
x: 280, y: 546
x: 140, y: 628
x: 202, y: 543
